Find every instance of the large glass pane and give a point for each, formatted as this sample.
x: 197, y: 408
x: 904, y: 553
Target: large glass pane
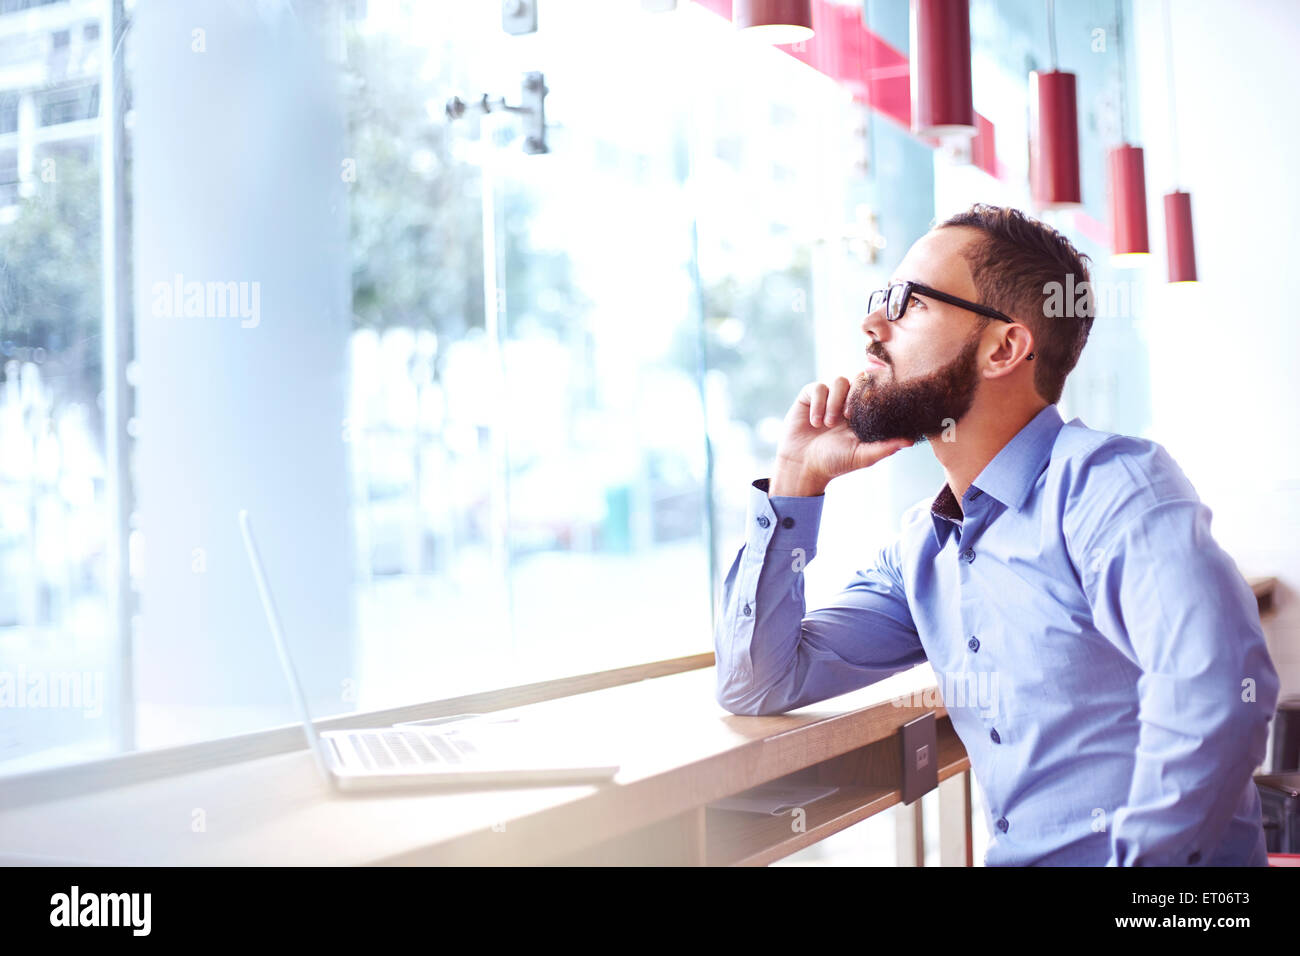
x: 528, y: 446
x: 58, y: 642
x: 603, y: 429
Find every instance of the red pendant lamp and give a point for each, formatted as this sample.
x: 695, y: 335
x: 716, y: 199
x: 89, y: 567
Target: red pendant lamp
x: 941, y: 78
x: 1053, y: 132
x: 774, y: 21
x: 1054, y: 140
x: 1127, y: 175
x: 1128, y: 205
x: 1180, y: 244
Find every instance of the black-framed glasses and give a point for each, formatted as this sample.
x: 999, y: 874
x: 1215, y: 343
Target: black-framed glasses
x: 899, y: 295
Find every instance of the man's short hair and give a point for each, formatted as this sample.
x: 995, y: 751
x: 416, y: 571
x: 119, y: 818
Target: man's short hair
x: 1016, y: 264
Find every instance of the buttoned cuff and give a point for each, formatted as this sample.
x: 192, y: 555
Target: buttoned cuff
x: 783, y: 523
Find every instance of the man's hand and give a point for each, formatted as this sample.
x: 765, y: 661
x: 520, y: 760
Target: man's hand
x: 818, y: 443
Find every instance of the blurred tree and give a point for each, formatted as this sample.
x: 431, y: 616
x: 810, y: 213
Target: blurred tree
x: 758, y: 333
x: 415, y: 212
x: 50, y: 296
x: 417, y: 230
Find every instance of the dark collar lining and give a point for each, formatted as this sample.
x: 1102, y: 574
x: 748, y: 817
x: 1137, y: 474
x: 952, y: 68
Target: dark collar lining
x: 945, y: 505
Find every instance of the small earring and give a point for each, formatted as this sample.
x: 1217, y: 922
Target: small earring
x: 1030, y: 356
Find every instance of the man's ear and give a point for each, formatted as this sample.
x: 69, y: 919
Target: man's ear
x: 1015, y: 343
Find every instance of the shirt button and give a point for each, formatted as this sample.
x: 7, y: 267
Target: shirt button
x: 762, y: 521
x: 1003, y: 825
x: 748, y: 610
x: 1195, y: 857
x: 993, y: 735
x: 968, y: 555
x: 787, y: 522
x: 973, y: 643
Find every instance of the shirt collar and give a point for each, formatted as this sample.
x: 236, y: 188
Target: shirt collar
x: 1009, y: 477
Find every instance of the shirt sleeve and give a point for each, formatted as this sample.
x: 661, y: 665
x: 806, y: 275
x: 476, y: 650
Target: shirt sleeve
x: 772, y: 656
x: 1174, y: 603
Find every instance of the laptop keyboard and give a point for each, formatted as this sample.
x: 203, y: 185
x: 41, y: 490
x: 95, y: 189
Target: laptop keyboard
x: 390, y: 749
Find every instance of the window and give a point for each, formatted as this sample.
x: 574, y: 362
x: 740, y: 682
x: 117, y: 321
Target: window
x: 69, y: 105
x: 495, y: 411
x: 8, y: 177
x: 57, y: 646
x: 478, y: 460
x: 13, y: 6
x: 8, y: 113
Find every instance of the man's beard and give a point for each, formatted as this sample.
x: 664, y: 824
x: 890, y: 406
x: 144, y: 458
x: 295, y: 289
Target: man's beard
x: 918, y: 409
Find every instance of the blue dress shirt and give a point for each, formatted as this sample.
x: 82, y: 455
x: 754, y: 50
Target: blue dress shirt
x: 1100, y: 656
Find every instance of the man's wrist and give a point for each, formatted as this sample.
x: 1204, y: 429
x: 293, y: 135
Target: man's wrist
x: 791, y: 480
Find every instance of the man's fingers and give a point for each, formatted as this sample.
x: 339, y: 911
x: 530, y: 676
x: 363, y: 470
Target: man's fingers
x: 825, y: 403
x: 817, y: 404
x: 868, y: 454
x: 838, y: 393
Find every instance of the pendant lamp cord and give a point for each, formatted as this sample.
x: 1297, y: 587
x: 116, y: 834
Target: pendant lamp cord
x: 1123, y: 73
x: 1173, y: 110
x: 1051, y: 31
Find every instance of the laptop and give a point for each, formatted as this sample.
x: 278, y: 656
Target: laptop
x: 459, y: 751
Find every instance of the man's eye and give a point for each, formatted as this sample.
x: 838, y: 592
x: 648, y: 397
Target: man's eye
x: 916, y: 302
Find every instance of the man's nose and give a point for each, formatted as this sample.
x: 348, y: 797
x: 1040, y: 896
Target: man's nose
x: 875, y: 325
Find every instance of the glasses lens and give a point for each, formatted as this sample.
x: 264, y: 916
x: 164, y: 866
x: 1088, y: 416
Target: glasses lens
x: 897, y: 295
x: 876, y: 301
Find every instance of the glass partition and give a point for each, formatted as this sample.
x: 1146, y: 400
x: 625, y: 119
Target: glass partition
x: 493, y: 408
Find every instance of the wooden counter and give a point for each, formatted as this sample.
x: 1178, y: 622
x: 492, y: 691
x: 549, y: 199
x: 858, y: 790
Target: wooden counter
x: 679, y: 751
